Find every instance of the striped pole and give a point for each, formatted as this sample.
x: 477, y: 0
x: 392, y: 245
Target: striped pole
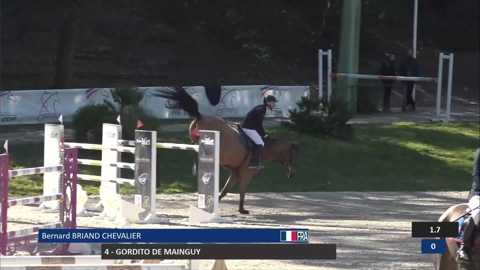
x: 177, y: 146
x: 90, y: 146
x: 87, y: 177
x: 36, y: 199
x: 379, y: 77
x: 31, y: 230
x: 35, y: 170
x: 121, y: 165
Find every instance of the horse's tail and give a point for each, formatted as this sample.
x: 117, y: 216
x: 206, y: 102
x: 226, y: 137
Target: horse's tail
x: 181, y: 99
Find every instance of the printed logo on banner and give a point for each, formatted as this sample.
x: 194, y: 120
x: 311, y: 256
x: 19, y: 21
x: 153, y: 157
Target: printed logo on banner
x: 206, y: 178
x: 201, y: 201
x: 48, y: 110
x: 272, y: 90
x: 178, y: 112
x: 227, y: 106
x: 90, y: 93
x: 146, y: 202
x: 7, y: 96
x: 207, y: 141
x: 204, y: 157
x: 142, y: 179
x: 110, y: 134
x: 53, y: 134
x: 138, y: 200
x: 209, y: 201
x: 142, y: 160
x: 144, y: 141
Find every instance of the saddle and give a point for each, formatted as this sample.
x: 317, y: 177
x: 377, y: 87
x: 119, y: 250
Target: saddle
x: 244, y: 139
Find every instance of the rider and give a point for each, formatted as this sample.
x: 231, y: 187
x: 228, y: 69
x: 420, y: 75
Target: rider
x: 253, y: 127
x: 465, y: 252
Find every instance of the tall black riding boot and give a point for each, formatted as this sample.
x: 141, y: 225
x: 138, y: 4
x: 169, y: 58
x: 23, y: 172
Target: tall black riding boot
x: 255, y: 161
x: 466, y: 249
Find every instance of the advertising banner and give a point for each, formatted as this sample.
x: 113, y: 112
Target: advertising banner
x: 45, y: 106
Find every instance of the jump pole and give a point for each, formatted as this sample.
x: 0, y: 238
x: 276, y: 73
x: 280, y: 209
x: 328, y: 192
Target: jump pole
x: 328, y: 54
x: 439, y: 115
x: 109, y: 174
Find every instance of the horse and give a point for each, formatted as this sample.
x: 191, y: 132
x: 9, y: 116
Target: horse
x: 235, y: 148
x: 448, y: 260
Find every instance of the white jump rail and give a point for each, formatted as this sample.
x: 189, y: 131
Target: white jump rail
x: 89, y: 146
x: 177, y: 146
x: 92, y: 162
x: 439, y: 115
x: 110, y: 164
x: 95, y: 178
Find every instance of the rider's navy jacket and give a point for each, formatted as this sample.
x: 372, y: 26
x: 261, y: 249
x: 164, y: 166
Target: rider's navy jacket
x: 476, y: 175
x: 254, y: 119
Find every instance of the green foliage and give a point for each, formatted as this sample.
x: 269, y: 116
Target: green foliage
x: 89, y: 119
x: 322, y: 118
x: 126, y: 104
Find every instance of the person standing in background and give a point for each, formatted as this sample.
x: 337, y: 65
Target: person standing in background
x: 387, y: 69
x: 409, y: 68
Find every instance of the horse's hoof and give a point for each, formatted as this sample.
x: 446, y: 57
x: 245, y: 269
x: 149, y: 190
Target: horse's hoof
x: 243, y: 211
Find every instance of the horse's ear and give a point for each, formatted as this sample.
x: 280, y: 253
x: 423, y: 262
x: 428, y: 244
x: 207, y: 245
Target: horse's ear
x: 213, y: 92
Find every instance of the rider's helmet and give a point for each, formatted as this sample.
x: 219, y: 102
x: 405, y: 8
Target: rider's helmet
x: 269, y: 98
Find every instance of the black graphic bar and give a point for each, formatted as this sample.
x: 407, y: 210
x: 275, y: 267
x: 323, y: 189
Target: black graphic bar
x: 220, y: 251
x: 434, y: 229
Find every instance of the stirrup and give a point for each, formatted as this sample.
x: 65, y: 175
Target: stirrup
x: 256, y: 166
x: 466, y: 258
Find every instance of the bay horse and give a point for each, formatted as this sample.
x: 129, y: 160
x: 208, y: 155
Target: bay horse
x: 235, y: 153
x: 448, y: 260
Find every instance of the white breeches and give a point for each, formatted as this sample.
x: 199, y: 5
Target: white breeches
x: 474, y: 204
x: 253, y: 134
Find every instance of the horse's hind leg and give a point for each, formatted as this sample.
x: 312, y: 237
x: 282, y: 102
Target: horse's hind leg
x: 445, y: 262
x: 232, y: 180
x: 243, y: 189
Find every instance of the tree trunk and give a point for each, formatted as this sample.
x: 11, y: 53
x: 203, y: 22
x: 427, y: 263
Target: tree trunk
x: 65, y: 53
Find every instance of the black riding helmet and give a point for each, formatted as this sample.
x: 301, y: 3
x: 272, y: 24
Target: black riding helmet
x: 269, y: 98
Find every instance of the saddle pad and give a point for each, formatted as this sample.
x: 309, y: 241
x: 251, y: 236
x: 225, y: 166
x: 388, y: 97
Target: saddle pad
x: 459, y: 239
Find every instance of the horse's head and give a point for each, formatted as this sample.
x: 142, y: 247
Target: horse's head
x: 287, y: 152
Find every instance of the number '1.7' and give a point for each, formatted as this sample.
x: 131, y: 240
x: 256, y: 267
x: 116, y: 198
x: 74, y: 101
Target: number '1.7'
x: 434, y: 229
